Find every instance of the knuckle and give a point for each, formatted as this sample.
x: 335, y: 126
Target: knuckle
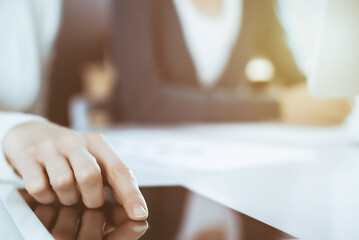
x: 70, y: 140
x: 31, y: 153
x: 95, y: 137
x: 45, y: 145
x: 74, y: 202
x: 35, y: 189
x: 89, y: 176
x: 94, y: 205
x: 69, y: 202
x: 134, y: 196
x: 63, y: 182
x: 42, y: 148
x: 26, y: 160
x: 24, y: 164
x: 121, y: 171
x: 46, y: 200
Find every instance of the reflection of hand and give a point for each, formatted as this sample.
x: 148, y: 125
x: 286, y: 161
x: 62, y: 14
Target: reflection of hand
x: 55, y: 161
x: 110, y: 222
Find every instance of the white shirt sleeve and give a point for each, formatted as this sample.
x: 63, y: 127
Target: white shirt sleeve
x: 9, y: 120
x: 28, y: 29
x: 301, y: 20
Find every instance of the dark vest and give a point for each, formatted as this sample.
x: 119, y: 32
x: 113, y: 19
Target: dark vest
x: 157, y: 77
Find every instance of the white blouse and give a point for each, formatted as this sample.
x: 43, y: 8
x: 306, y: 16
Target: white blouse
x: 28, y: 29
x: 210, y: 40
x: 302, y: 21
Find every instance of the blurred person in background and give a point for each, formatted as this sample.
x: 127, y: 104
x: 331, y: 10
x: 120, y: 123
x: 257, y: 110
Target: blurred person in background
x: 54, y: 162
x: 210, y: 60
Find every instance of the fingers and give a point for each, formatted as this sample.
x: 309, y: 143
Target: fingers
x: 60, y: 176
x: 72, y: 159
x: 35, y: 179
x: 119, y: 176
x: 89, y: 178
x: 85, y: 168
x: 67, y: 164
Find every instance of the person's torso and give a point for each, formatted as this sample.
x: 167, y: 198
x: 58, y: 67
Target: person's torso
x: 182, y: 58
x: 210, y: 38
x: 259, y: 34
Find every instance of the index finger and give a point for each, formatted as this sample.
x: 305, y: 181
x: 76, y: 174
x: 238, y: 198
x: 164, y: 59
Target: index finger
x: 119, y: 176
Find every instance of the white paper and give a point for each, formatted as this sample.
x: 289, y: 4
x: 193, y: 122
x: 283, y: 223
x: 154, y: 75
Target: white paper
x: 224, y: 146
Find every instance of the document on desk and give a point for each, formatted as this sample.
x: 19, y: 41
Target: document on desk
x: 216, y: 147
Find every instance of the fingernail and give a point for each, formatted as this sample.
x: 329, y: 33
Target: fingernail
x: 139, y: 212
x: 140, y: 228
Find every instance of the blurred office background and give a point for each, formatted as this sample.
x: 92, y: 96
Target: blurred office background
x: 84, y: 74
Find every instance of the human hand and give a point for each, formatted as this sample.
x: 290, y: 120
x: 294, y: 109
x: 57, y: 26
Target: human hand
x: 56, y: 161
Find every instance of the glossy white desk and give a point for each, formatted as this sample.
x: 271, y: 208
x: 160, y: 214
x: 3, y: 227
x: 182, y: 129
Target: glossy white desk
x: 315, y: 199
x: 311, y: 201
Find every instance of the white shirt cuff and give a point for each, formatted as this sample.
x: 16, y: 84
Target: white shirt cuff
x: 9, y: 120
